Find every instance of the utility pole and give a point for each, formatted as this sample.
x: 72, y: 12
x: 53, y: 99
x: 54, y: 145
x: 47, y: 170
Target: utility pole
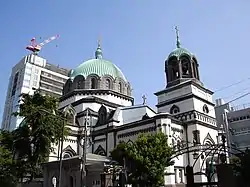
x: 84, y: 156
x: 61, y: 153
x: 226, y: 128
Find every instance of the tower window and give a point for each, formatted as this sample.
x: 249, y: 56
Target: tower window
x: 174, y: 109
x: 93, y: 83
x: 185, y: 66
x: 205, y: 109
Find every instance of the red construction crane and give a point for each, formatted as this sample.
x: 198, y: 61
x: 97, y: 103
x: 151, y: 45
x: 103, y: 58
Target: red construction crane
x: 36, y: 48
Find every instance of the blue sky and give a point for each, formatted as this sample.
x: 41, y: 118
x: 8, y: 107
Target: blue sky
x: 136, y: 35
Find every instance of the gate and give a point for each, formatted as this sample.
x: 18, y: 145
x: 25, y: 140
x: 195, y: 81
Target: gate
x: 217, y: 173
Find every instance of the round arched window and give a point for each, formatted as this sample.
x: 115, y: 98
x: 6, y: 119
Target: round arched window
x: 205, y: 109
x: 174, y: 109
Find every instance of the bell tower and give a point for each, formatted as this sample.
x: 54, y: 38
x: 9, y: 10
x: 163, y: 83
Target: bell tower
x: 181, y: 65
x: 184, y: 90
x: 187, y: 100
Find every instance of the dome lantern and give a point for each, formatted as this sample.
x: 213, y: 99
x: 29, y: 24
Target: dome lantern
x: 98, y: 52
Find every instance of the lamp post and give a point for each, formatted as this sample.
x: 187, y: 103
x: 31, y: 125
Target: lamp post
x: 66, y: 111
x: 85, y: 147
x: 69, y: 110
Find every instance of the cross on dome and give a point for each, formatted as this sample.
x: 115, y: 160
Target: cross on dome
x: 144, y: 99
x: 178, y: 43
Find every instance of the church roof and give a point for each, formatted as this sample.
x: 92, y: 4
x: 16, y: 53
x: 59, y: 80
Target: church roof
x: 98, y: 66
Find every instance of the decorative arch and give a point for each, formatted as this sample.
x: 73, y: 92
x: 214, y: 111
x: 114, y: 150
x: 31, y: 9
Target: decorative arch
x: 67, y: 87
x: 79, y: 82
x: 130, y: 142
x: 174, y: 109
x: 184, y: 55
x: 68, y: 152
x: 102, y: 115
x: 208, y: 140
x: 100, y: 151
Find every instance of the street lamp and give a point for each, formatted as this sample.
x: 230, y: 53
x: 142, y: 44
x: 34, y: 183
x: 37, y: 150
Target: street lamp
x: 85, y: 145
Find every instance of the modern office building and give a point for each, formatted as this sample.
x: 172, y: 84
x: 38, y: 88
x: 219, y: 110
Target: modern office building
x: 236, y: 123
x: 31, y: 73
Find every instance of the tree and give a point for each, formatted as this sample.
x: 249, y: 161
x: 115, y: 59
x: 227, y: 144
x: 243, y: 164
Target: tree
x: 42, y: 126
x: 7, y: 164
x: 145, y: 159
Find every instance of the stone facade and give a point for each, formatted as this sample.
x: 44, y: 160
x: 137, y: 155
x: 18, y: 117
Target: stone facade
x: 185, y: 113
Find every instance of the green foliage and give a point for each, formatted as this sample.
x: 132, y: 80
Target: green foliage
x: 31, y: 143
x: 7, y: 165
x: 145, y: 159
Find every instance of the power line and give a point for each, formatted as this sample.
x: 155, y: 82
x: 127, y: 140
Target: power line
x: 243, y: 90
x: 234, y: 84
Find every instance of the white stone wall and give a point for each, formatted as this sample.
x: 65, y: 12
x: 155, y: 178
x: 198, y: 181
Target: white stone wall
x: 107, y: 97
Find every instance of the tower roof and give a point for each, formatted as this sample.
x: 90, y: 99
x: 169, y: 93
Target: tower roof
x: 179, y: 51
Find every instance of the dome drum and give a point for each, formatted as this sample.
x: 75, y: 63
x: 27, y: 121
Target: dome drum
x: 95, y: 82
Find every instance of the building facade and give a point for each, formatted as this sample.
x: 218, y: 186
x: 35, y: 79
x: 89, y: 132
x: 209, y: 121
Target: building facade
x: 101, y: 96
x: 31, y: 73
x: 236, y: 123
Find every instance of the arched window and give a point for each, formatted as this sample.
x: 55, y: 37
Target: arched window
x: 205, y: 109
x: 128, y: 91
x: 174, y: 109
x: 67, y: 87
x: 120, y: 87
x: 185, y: 66
x: 108, y: 84
x: 102, y: 115
x: 78, y: 84
x: 93, y: 83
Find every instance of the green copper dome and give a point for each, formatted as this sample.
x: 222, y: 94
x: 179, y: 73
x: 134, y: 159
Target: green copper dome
x: 178, y: 52
x: 98, y: 66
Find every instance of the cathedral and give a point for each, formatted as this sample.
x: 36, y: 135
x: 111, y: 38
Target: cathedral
x: 101, y: 97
